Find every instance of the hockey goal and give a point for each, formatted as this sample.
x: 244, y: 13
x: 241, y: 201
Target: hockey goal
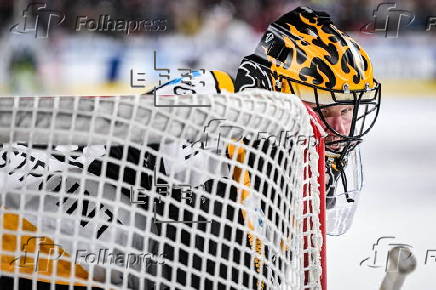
x: 200, y: 192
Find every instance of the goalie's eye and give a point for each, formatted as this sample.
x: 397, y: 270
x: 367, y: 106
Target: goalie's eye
x: 337, y: 111
x: 346, y: 110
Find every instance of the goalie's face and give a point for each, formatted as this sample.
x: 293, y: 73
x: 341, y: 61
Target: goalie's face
x: 339, y: 119
x: 345, y: 116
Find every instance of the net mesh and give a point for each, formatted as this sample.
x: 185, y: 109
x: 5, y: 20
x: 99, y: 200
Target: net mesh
x: 202, y: 191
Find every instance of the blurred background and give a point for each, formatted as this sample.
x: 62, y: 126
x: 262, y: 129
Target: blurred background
x: 78, y: 47
x: 94, y: 47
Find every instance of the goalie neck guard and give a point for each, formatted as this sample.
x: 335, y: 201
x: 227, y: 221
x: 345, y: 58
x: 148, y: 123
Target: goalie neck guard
x: 303, y: 53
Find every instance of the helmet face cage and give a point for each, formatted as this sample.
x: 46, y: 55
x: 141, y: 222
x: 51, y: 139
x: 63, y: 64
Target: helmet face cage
x: 366, y: 105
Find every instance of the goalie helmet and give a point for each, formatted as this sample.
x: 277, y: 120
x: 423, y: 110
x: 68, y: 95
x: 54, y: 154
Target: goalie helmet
x: 303, y: 53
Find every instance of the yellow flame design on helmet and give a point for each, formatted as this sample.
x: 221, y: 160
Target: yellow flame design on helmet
x: 305, y: 46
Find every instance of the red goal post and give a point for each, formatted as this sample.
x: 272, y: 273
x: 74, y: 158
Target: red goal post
x: 206, y: 191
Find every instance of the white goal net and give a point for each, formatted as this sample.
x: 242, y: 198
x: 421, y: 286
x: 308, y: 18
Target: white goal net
x: 176, y: 192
